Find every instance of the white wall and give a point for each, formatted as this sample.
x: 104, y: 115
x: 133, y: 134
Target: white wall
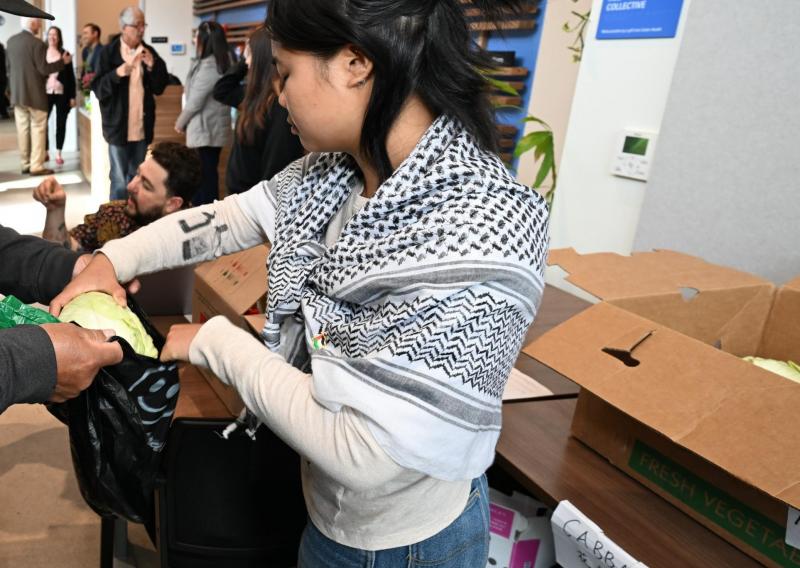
x: 622, y: 84
x: 553, y: 82
x: 9, y: 28
x: 175, y: 20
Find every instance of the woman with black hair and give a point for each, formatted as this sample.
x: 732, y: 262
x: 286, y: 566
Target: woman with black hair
x: 406, y: 266
x: 60, y: 90
x: 206, y: 122
x: 263, y: 144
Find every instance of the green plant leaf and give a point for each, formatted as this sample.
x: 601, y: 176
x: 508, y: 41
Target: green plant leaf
x: 504, y: 107
x: 546, y: 165
x: 537, y: 120
x: 531, y: 141
x: 503, y: 86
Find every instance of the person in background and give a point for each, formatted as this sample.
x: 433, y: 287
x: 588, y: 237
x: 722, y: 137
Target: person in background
x: 4, y: 104
x: 406, y: 266
x: 164, y: 184
x: 129, y: 74
x: 29, y: 71
x: 263, y: 143
x: 206, y: 122
x: 54, y: 361
x: 90, y: 54
x: 60, y: 89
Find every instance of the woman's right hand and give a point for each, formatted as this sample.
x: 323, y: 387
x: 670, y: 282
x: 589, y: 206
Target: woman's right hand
x: 99, y: 275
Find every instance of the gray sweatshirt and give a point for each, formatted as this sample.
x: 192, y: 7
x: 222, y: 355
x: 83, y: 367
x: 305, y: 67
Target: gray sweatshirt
x: 34, y: 270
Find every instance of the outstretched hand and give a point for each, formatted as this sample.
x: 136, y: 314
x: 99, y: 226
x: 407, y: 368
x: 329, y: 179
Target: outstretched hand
x: 98, y: 275
x: 179, y: 340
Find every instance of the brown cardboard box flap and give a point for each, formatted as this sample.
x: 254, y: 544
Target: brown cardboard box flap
x: 256, y: 323
x: 782, y: 334
x: 239, y: 278
x: 611, y: 276
x: 714, y: 304
x: 793, y: 284
x: 717, y: 406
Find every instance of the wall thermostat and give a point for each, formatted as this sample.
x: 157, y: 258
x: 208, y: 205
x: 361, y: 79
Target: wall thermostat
x: 634, y: 154
x: 177, y: 48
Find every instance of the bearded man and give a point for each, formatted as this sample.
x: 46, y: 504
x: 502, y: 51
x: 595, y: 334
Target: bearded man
x: 164, y: 183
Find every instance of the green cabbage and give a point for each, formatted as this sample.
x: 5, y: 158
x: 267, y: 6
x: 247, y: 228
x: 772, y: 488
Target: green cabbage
x: 98, y: 310
x: 789, y: 370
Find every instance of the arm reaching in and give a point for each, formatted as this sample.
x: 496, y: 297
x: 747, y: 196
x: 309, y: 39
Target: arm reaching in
x: 51, y: 194
x: 98, y: 275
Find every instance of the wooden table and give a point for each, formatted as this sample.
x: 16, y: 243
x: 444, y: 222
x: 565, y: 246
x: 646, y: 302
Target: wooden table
x: 196, y: 399
x: 557, y: 306
x: 537, y: 450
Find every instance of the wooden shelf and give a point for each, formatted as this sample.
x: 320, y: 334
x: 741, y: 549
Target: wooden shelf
x: 507, y: 130
x: 238, y: 33
x: 507, y: 143
x: 509, y: 25
x: 505, y: 100
x: 209, y: 6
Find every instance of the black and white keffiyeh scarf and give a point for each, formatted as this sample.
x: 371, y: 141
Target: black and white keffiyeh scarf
x: 414, y: 318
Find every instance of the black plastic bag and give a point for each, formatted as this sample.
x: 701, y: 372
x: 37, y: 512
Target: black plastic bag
x: 118, y: 428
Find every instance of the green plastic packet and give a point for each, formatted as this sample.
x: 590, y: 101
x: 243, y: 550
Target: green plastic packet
x: 14, y: 312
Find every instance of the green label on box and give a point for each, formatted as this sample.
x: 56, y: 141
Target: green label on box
x: 725, y: 511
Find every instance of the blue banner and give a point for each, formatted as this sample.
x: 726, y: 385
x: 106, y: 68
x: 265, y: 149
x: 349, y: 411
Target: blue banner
x: 636, y: 19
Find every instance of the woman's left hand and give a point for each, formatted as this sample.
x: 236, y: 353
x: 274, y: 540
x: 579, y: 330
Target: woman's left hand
x: 179, y: 339
x: 178, y: 129
x: 72, y: 103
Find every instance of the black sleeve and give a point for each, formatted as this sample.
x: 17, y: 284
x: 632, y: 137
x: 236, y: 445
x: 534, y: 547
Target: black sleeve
x: 158, y: 76
x: 106, y: 82
x: 229, y: 89
x: 27, y: 365
x: 33, y: 269
x: 67, y: 78
x: 40, y: 60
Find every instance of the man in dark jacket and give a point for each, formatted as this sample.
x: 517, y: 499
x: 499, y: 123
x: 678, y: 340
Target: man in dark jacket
x: 53, y: 361
x: 29, y: 69
x: 129, y: 74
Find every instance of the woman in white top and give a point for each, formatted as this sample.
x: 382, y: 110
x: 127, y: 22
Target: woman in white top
x: 406, y: 266
x: 60, y: 89
x: 207, y: 123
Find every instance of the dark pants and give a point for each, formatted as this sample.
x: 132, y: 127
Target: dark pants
x: 209, y: 186
x: 61, y: 102
x: 125, y: 161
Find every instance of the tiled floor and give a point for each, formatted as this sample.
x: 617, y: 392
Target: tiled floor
x: 17, y: 207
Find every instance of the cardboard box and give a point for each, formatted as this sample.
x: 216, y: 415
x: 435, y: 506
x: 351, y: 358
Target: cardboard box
x: 666, y: 398
x: 234, y: 286
x: 520, y: 532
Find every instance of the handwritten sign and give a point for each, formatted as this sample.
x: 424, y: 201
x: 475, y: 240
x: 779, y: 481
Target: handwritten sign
x: 580, y: 543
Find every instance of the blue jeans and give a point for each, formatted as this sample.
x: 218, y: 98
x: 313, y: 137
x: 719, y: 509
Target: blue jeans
x: 125, y: 161
x: 462, y: 544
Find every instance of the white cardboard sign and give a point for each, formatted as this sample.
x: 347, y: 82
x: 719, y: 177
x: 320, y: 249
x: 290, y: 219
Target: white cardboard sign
x: 580, y: 543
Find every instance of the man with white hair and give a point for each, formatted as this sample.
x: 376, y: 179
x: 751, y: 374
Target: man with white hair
x: 27, y: 57
x: 129, y: 74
